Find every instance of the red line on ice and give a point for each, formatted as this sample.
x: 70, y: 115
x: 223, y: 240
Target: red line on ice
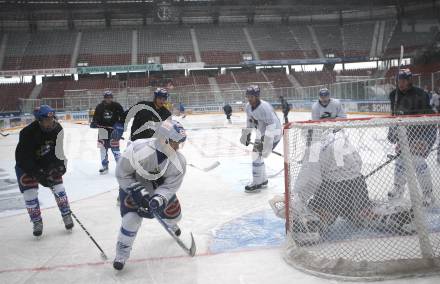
x: 102, y: 263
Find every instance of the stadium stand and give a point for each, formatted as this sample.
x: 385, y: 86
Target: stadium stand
x: 358, y: 38
x: 105, y: 47
x: 39, y: 51
x: 10, y: 93
x: 165, y: 42
x: 330, y: 38
x: 222, y: 44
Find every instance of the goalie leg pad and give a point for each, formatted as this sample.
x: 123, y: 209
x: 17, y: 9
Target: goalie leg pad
x: 393, y: 219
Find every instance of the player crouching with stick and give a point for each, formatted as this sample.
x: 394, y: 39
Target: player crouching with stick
x: 149, y: 174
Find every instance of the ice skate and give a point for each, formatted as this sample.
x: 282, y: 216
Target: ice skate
x: 254, y: 188
x: 38, y: 228
x: 68, y: 222
x: 103, y: 170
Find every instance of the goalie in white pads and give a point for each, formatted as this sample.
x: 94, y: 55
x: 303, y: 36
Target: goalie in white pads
x: 330, y: 185
x: 260, y: 115
x: 149, y: 174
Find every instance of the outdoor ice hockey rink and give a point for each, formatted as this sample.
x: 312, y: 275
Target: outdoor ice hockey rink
x: 238, y: 238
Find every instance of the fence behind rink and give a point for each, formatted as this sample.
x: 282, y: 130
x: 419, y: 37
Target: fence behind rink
x: 361, y: 95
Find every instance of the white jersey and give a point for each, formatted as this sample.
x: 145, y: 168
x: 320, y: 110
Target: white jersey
x: 264, y: 118
x: 332, y: 110
x: 143, y: 161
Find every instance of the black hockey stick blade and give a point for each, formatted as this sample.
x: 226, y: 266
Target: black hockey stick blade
x: 206, y: 169
x: 191, y: 251
x: 4, y: 134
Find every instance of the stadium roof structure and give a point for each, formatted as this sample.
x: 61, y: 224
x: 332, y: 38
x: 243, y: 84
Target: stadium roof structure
x: 30, y: 12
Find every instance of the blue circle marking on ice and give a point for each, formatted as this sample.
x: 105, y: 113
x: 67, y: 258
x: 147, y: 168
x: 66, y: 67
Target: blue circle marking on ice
x: 257, y: 229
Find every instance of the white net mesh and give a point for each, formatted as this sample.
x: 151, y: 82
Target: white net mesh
x: 362, y: 197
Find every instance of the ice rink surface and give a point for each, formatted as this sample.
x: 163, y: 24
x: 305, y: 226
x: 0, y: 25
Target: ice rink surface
x: 239, y: 240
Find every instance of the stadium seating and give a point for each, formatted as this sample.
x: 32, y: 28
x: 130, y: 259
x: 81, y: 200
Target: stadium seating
x: 10, y: 94
x: 222, y: 44
x: 330, y: 39
x: 39, y: 51
x: 315, y: 78
x: 358, y: 38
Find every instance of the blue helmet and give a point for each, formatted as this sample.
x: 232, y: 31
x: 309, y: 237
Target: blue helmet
x: 404, y: 74
x: 161, y: 93
x: 44, y: 111
x: 253, y: 90
x: 324, y: 92
x: 172, y: 130
x: 108, y: 94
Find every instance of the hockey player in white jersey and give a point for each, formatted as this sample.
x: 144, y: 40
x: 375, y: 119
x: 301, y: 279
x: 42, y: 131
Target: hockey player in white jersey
x: 149, y: 174
x: 327, y: 107
x: 261, y: 116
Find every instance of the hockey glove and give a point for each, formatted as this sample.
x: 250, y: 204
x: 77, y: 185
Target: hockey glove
x: 157, y: 203
x: 93, y: 125
x: 258, y: 146
x: 135, y: 190
x: 57, y: 170
x: 41, y: 176
x: 245, y: 136
x: 118, y: 130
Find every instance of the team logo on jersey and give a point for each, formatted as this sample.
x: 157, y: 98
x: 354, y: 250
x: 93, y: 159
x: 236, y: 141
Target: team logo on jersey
x: 107, y: 115
x: 44, y: 149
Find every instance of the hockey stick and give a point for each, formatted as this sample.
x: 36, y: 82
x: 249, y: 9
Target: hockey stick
x: 390, y: 159
x: 206, y: 169
x: 397, y: 81
x: 190, y: 251
x: 103, y: 255
x: 275, y: 152
x: 275, y: 174
x: 4, y: 134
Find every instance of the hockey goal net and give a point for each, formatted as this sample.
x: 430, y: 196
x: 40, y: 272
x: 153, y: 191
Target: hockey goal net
x: 362, y: 197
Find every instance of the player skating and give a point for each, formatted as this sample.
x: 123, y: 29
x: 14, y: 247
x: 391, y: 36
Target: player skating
x: 147, y: 113
x: 408, y: 99
x: 327, y: 107
x: 39, y: 160
x: 285, y: 107
x: 227, y: 109
x: 149, y: 174
x: 261, y: 116
x: 109, y: 118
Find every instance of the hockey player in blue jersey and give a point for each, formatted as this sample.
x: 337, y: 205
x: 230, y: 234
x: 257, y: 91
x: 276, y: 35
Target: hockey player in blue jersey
x: 39, y: 160
x: 149, y: 174
x: 261, y: 116
x: 109, y: 119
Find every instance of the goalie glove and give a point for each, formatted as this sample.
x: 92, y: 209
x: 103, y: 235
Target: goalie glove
x: 245, y: 138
